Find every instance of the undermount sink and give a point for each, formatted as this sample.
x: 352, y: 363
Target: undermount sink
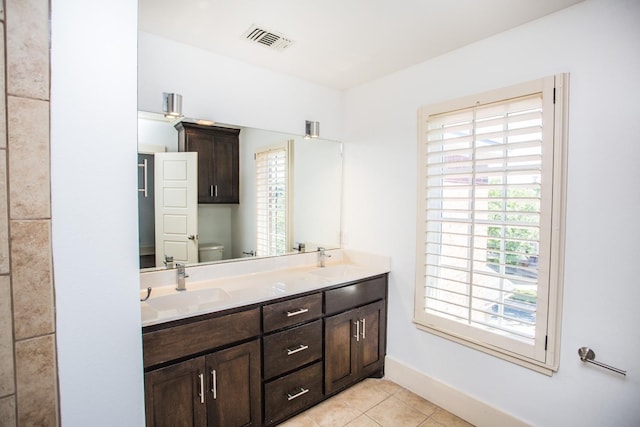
x: 337, y: 271
x: 187, y: 299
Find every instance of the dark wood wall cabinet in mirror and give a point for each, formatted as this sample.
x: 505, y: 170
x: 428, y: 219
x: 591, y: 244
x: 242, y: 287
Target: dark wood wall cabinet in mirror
x: 218, y: 160
x: 262, y: 364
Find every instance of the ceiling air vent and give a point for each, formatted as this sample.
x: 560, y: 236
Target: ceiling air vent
x: 267, y: 38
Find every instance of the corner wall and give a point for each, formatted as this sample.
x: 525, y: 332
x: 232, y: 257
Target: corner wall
x: 596, y: 41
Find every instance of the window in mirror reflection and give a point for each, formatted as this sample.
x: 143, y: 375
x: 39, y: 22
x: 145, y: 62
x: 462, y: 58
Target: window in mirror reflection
x: 273, y: 207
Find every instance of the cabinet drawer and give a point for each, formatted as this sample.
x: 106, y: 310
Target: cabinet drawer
x: 340, y: 299
x: 175, y: 342
x: 287, y: 350
x: 292, y: 393
x: 291, y: 312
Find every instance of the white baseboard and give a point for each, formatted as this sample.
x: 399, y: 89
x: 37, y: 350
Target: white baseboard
x: 453, y: 400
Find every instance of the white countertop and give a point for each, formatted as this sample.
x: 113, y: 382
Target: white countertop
x: 222, y: 286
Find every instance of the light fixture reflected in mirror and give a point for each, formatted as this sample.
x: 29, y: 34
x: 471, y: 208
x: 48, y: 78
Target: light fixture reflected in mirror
x: 311, y: 129
x: 172, y: 105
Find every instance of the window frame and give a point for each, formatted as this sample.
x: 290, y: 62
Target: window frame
x: 545, y: 356
x: 285, y: 147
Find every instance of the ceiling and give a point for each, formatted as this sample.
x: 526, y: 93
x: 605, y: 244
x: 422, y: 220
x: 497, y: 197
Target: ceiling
x: 338, y: 43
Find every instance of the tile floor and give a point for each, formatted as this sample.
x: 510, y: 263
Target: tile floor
x: 376, y: 403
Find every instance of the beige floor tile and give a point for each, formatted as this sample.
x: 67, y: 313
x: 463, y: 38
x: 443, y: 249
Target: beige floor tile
x: 416, y: 402
x: 387, y: 385
x: 431, y: 423
x: 363, y: 421
x: 394, y: 413
x: 448, y: 419
x: 334, y: 412
x: 364, y: 395
x: 301, y: 420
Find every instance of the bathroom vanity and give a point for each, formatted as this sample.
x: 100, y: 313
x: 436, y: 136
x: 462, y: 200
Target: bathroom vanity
x: 311, y: 335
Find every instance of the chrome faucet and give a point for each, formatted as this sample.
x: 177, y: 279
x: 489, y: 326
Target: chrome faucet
x: 322, y: 256
x: 182, y: 275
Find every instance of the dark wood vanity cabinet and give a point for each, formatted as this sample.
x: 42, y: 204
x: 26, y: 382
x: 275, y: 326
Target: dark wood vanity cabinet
x: 262, y: 365
x: 218, y: 160
x: 292, y: 362
x: 355, y: 338
x: 220, y: 386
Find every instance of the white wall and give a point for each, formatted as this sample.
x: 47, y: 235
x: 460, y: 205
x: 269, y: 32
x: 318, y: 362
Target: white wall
x: 94, y: 206
x: 215, y: 87
x: 598, y: 43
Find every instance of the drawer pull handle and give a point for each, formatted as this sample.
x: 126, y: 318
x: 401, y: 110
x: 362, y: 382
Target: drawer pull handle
x: 300, y: 348
x: 295, y: 313
x: 201, y: 394
x: 214, y: 384
x: 298, y: 394
x: 357, y: 335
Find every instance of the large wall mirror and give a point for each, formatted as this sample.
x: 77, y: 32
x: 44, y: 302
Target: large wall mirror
x: 231, y: 231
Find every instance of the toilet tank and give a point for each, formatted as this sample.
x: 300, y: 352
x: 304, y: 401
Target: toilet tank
x: 210, y: 252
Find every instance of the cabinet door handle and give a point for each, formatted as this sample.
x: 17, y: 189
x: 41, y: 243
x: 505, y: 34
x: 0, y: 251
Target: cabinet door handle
x: 298, y: 394
x: 214, y: 384
x: 215, y: 190
x: 300, y: 348
x: 357, y: 335
x: 201, y: 394
x: 295, y: 313
x: 364, y: 328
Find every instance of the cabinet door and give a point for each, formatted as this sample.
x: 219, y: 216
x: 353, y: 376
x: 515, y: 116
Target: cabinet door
x: 174, y: 396
x: 234, y: 395
x: 202, y: 143
x: 225, y: 169
x: 354, y: 345
x: 372, y: 338
x: 340, y: 362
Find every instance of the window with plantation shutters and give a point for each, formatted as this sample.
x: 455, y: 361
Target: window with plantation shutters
x: 272, y: 200
x: 489, y: 245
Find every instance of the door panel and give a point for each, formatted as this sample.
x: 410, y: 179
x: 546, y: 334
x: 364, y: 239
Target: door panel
x: 372, y: 341
x: 172, y: 396
x: 176, y: 207
x: 340, y: 364
x: 234, y: 386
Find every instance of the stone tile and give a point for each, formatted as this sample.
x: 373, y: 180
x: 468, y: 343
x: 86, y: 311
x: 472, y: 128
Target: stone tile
x: 29, y: 159
x: 301, y: 420
x: 363, y: 421
x: 394, y: 413
x: 37, y: 389
x: 387, y: 385
x: 333, y: 413
x: 416, y: 402
x: 4, y: 215
x: 32, y: 278
x: 364, y: 395
x: 6, y: 340
x: 431, y: 423
x: 448, y: 419
x: 28, y: 48
x: 3, y: 106
x: 8, y: 411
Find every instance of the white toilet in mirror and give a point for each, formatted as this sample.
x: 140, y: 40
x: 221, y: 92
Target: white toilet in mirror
x: 210, y: 252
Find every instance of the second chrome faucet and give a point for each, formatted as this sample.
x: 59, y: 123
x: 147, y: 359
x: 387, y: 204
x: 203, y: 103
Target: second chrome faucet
x: 322, y: 256
x: 182, y: 275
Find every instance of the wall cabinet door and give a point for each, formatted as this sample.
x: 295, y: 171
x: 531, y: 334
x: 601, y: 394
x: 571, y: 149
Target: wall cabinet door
x: 354, y: 345
x: 218, y: 160
x: 174, y: 396
x: 234, y: 389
